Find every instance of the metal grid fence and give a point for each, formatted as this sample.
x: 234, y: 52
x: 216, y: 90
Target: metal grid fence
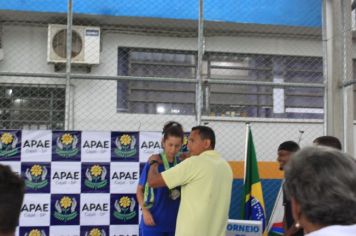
x: 191, y: 65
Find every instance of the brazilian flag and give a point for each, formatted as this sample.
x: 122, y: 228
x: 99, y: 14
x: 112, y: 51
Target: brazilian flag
x: 253, y: 207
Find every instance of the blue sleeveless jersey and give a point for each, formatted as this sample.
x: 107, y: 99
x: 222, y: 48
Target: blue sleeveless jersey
x: 164, y: 210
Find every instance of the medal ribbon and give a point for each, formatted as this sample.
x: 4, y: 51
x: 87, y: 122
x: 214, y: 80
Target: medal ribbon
x: 148, y: 195
x: 165, y: 161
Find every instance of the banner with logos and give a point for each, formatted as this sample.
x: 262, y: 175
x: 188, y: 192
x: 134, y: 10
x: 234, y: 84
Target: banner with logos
x: 78, y: 182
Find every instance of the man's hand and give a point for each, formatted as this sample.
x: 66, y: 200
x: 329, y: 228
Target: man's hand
x: 184, y: 156
x: 154, y: 178
x: 155, y: 157
x: 147, y: 217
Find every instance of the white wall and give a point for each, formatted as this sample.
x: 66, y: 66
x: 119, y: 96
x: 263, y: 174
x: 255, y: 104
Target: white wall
x: 25, y: 50
x: 231, y: 136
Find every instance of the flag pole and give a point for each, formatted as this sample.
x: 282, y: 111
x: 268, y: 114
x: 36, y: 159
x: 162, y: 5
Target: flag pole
x: 301, y: 132
x: 246, y: 147
x: 274, y: 211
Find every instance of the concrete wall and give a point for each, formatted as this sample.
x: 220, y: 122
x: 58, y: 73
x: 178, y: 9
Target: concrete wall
x: 25, y: 50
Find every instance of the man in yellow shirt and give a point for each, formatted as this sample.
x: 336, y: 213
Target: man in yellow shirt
x: 206, y: 181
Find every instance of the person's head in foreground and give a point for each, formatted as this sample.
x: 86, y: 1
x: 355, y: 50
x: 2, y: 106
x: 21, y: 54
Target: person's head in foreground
x: 11, y: 197
x: 321, y: 184
x: 328, y: 141
x: 201, y: 138
x: 285, y: 152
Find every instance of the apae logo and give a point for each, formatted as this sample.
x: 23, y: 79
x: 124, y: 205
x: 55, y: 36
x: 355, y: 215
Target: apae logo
x: 151, y: 144
x: 36, y: 177
x: 67, y: 145
x: 65, y: 209
x: 9, y: 145
x: 95, y: 144
x: 66, y: 177
x: 36, y: 232
x: 95, y: 207
x: 33, y: 209
x: 125, y: 145
x: 123, y: 176
x: 125, y: 208
x: 36, y: 144
x: 95, y: 232
x: 95, y: 177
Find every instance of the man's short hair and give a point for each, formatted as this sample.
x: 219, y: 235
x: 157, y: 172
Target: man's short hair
x: 329, y: 141
x: 11, y: 197
x: 289, y: 146
x: 206, y: 132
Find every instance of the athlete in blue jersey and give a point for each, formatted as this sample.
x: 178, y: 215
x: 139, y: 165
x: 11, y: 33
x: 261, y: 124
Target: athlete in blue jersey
x: 160, y: 205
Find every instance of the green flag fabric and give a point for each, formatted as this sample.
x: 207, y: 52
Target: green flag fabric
x: 253, y: 207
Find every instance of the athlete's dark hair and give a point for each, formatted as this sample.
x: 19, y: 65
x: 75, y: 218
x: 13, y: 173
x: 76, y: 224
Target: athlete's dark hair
x: 172, y: 128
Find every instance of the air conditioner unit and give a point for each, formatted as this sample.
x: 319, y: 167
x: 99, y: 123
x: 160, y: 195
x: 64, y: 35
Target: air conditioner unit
x: 85, y: 44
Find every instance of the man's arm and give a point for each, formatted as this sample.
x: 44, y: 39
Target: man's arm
x: 154, y: 178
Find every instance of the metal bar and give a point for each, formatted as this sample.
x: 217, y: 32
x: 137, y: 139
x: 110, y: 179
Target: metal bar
x: 100, y: 77
x: 25, y: 121
x: 206, y: 105
x: 30, y: 109
x: 338, y: 71
x: 161, y: 64
x: 40, y: 75
x: 261, y: 120
x: 348, y: 100
x: 241, y: 68
x: 163, y: 79
x: 72, y: 106
x: 51, y: 110
x: 68, y: 65
x: 134, y: 78
x: 348, y: 83
x: 198, y: 98
x: 244, y: 82
x: 334, y: 69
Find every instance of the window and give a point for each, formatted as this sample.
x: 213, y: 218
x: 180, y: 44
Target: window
x: 156, y: 97
x: 239, y: 100
x: 261, y: 100
x: 30, y: 107
x: 220, y: 99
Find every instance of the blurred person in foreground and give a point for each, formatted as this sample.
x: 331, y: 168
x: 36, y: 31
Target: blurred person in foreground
x: 206, y: 181
x: 11, y: 197
x: 328, y: 141
x: 284, y: 154
x: 320, y: 182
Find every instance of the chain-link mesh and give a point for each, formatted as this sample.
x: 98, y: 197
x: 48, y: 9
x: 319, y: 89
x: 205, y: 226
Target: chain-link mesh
x: 134, y: 68
x: 245, y: 63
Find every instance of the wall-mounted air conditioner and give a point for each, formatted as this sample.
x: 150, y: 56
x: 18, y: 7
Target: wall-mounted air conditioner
x: 85, y: 44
